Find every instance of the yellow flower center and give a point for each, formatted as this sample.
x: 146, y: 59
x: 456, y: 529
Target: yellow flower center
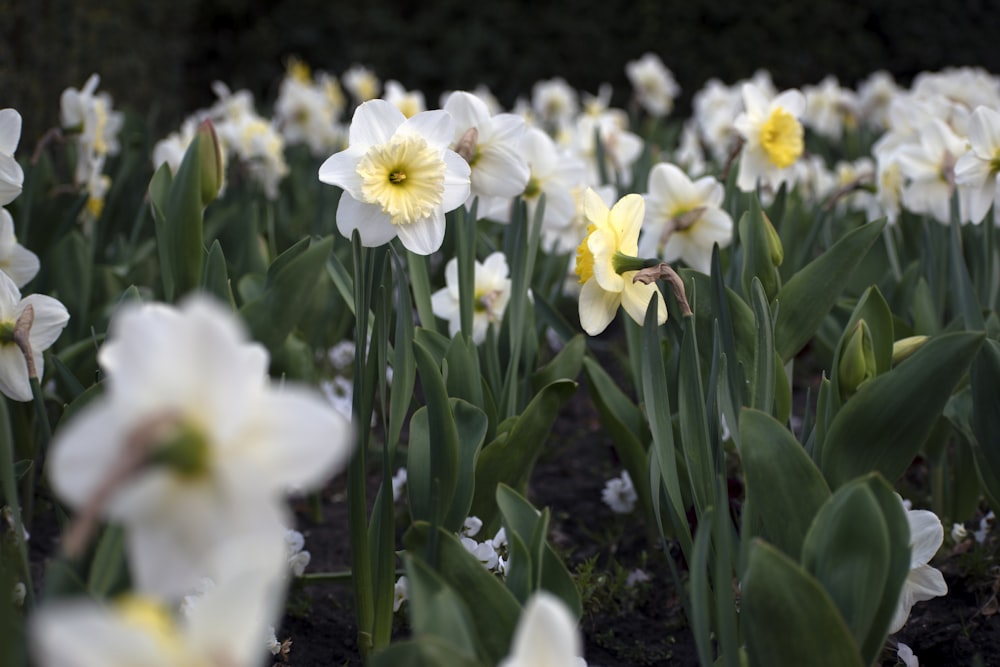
x: 101, y: 115
x: 532, y: 189
x: 409, y: 105
x: 585, y: 258
x: 153, y: 620
x: 995, y: 164
x: 781, y: 137
x: 299, y: 71
x: 405, y: 177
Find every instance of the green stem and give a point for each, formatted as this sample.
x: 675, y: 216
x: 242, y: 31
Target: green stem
x: 8, y: 484
x: 421, y: 284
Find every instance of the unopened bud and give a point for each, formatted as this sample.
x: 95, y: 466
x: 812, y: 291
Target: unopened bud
x: 774, y: 247
x: 210, y: 162
x: 857, y: 360
x: 904, y: 347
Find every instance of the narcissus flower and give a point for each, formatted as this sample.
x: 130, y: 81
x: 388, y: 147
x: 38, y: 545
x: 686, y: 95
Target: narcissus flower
x: 923, y: 581
x: 773, y: 136
x: 15, y: 260
x: 606, y: 264
x: 492, y: 292
x: 399, y: 177
x: 47, y: 320
x: 684, y: 219
x: 11, y: 174
x: 654, y: 84
x: 546, y: 635
x: 190, y: 445
x: 978, y: 170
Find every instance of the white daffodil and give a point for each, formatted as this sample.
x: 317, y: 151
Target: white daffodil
x: 492, y: 292
x: 492, y: 146
x: 15, y: 260
x: 928, y: 165
x: 305, y: 111
x: 226, y: 627
x: 48, y: 319
x: 654, y: 84
x: 554, y: 101
x: 361, y: 83
x: 773, y: 136
x: 97, y: 126
x: 552, y: 173
x: 829, y: 108
x: 621, y: 148
x: 546, y: 635
x: 977, y: 172
x: 399, y: 177
x: 410, y: 102
x: 612, y: 238
x: 923, y: 581
x: 190, y: 446
x: 11, y: 174
x: 684, y: 219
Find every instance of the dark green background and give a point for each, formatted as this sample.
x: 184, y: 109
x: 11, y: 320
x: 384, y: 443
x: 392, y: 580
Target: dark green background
x: 160, y: 56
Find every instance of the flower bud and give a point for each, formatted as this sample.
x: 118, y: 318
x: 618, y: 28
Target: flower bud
x: 904, y: 347
x: 857, y: 360
x: 210, y: 162
x: 774, y: 247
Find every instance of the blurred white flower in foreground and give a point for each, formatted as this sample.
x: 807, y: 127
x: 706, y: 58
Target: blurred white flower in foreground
x: 546, y: 635
x: 684, y: 218
x: 399, y: 177
x: 619, y: 494
x: 11, y: 174
x: 773, y: 136
x: 191, y: 445
x: 490, y: 296
x: 923, y: 581
x: 48, y: 320
x: 225, y: 628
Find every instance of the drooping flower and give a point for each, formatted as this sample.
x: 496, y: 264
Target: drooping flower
x: 684, y: 219
x: 923, y: 582
x: 612, y: 240
x: 11, y: 174
x: 49, y: 318
x: 492, y: 292
x: 773, y: 136
x: 399, y: 177
x: 191, y: 444
x: 546, y: 635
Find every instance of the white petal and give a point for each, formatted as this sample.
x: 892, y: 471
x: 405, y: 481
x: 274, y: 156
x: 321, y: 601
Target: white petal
x: 456, y: 181
x: 984, y: 132
x: 437, y: 127
x: 597, y: 307
x: 467, y: 111
x: 926, y: 536
x: 374, y: 226
x: 22, y: 265
x: 626, y: 218
x: 423, y: 236
x: 374, y: 122
x: 10, y: 130
x: 11, y: 179
x: 546, y: 634
x: 500, y: 171
x: 636, y: 298
x: 341, y: 169
x: 51, y: 318
x: 14, y: 381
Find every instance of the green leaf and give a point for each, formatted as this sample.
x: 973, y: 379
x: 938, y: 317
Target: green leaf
x: 565, y: 365
x: 423, y: 652
x: 757, y: 256
x: 693, y: 420
x: 215, y: 280
x: 985, y: 379
x: 464, y: 378
x: 159, y: 190
x: 810, y: 294
x: 883, y: 425
x: 72, y: 273
x: 510, y: 458
x: 873, y: 309
x: 763, y: 379
x: 184, y: 230
x: 471, y: 423
x: 847, y: 550
x: 291, y: 279
x: 435, y: 609
x: 784, y: 486
x: 788, y: 618
x: 108, y: 570
x: 492, y: 609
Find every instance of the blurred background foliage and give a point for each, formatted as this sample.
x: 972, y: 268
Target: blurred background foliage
x: 160, y: 57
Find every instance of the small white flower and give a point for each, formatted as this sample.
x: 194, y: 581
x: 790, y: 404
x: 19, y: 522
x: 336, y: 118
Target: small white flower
x: 958, y: 533
x: 483, y: 551
x: 272, y: 643
x: 984, y: 527
x: 499, y: 540
x: 398, y: 484
x: 341, y: 355
x: 635, y: 577
x: 471, y: 526
x: 654, y: 84
x: 923, y: 581
x: 400, y: 593
x: 298, y: 557
x: 619, y: 494
x: 905, y: 654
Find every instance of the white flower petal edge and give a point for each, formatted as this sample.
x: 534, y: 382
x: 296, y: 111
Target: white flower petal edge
x: 923, y: 582
x: 546, y: 635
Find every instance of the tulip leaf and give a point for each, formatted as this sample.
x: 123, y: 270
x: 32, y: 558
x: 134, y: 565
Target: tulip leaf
x: 427, y: 651
x: 784, y: 486
x: 565, y: 365
x: 510, y: 457
x: 810, y: 294
x: 215, y: 280
x: 287, y: 290
x: 847, y: 550
x: 108, y: 570
x: 492, y: 609
x: 471, y: 423
x: 72, y: 274
x: 883, y: 425
x: 435, y: 608
x: 788, y: 618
